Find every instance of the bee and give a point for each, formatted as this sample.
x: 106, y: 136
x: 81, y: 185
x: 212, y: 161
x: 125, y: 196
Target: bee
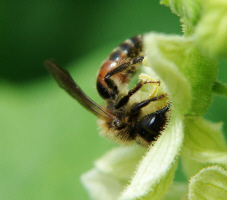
x: 121, y: 118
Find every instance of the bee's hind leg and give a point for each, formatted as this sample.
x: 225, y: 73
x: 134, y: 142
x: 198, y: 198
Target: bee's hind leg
x: 122, y: 67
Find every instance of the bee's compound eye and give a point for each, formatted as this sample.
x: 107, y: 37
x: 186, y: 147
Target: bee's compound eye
x: 149, y: 126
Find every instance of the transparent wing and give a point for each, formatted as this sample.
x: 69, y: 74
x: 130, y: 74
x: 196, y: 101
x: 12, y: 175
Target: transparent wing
x: 66, y: 82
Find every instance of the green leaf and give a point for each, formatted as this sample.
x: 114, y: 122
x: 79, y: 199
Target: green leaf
x: 209, y: 183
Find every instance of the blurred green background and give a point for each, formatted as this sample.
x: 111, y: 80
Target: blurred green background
x: 47, y: 139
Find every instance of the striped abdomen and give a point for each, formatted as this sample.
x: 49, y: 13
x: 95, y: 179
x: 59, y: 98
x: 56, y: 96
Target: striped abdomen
x: 130, y: 48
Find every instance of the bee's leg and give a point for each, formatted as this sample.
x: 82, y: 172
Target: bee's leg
x: 124, y: 100
x: 138, y: 106
x: 124, y: 66
x: 111, y: 84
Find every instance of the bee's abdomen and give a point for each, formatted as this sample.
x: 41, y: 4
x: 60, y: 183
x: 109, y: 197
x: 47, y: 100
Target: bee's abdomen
x: 128, y: 49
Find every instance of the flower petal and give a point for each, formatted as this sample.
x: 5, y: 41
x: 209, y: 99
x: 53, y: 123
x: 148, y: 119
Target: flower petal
x: 204, y: 141
x: 101, y: 186
x: 187, y: 74
x: 220, y: 88
x: 165, y: 55
x: 121, y: 162
x: 189, y: 10
x: 177, y: 191
x: 211, y: 31
x: 209, y: 183
x: 112, y: 172
x: 191, y: 167
x: 157, y: 166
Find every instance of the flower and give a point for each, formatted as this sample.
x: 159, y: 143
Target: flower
x: 188, y: 70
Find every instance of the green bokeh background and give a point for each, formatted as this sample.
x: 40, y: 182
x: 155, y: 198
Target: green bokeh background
x: 47, y: 140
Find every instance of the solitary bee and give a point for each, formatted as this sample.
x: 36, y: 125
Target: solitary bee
x: 122, y: 118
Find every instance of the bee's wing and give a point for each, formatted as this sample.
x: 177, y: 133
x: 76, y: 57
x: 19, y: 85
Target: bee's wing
x: 66, y: 82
